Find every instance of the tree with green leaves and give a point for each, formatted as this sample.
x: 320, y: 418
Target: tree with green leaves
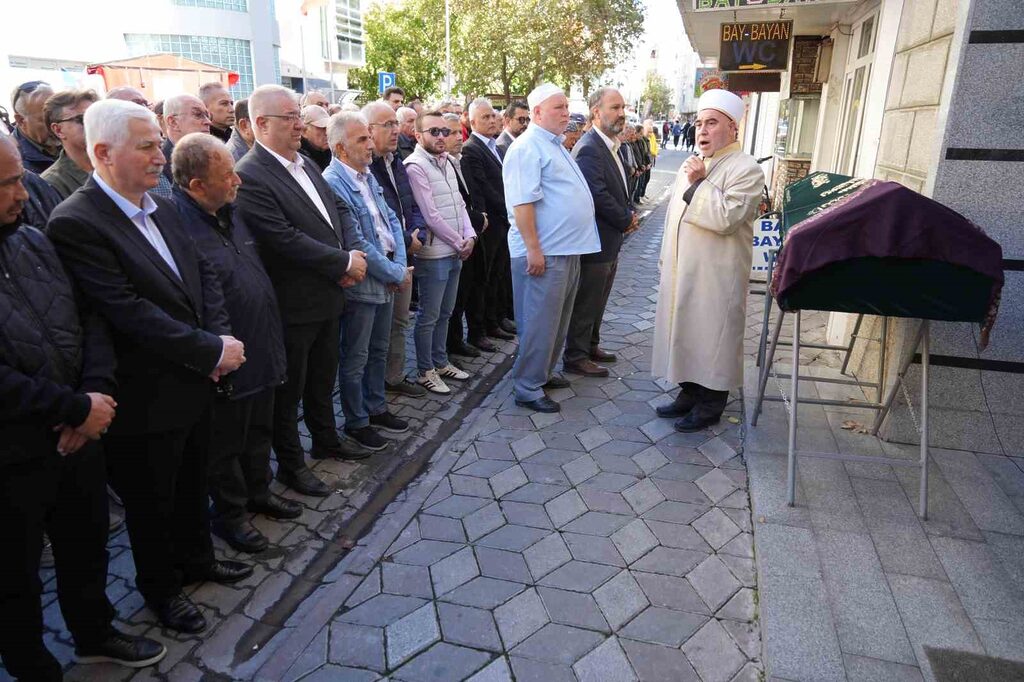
x: 657, y: 96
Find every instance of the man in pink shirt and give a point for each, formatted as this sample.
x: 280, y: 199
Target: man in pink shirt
x: 449, y: 241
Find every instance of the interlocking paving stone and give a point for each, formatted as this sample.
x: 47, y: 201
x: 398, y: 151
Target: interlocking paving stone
x: 656, y: 429
x: 650, y: 460
x: 593, y: 437
x: 746, y: 635
x: 656, y: 663
x: 484, y: 593
x: 670, y: 592
x: 663, y: 626
x: 681, y: 491
x: 334, y: 673
x: 677, y: 536
x: 597, y: 523
x: 742, y: 568
x: 520, y: 617
x: 470, y: 485
x: 611, y: 482
x: 642, y: 495
x: 412, y: 634
x: 529, y: 670
x: 469, y: 626
x: 357, y: 645
x: 593, y: 549
x: 554, y: 457
x: 668, y: 561
x: 381, y: 610
x: 442, y: 661
x: 483, y: 521
x: 528, y: 445
x: 602, y: 501
x: 716, y: 528
x: 410, y: 581
x: 504, y: 565
x: 544, y: 473
x: 508, y: 480
x: 713, y: 581
x: 565, y: 508
x: 681, y: 472
x: 606, y: 663
x: 442, y: 527
x: 558, y: 644
x: 572, y: 608
x: 454, y: 571
x: 634, y: 540
x: 740, y: 607
x: 717, y: 451
x: 713, y: 654
x: 620, y: 599
x: 497, y: 671
x: 716, y: 485
x: 512, y: 538
x: 581, y: 469
x: 616, y: 463
x: 578, y: 576
x: 457, y: 506
x: 538, y: 493
x: 526, y: 514
x: 741, y: 546
x: 370, y: 587
x: 546, y: 555
x: 485, y: 468
x: 675, y: 512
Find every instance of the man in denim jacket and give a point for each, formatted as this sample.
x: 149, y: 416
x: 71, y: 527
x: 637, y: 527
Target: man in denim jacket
x: 366, y: 322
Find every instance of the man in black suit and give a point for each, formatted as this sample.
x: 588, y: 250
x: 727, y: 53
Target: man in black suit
x: 487, y: 313
x: 137, y: 267
x: 302, y: 229
x: 597, y: 156
x: 516, y: 117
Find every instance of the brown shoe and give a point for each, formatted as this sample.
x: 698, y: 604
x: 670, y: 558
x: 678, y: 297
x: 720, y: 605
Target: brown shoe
x: 598, y: 355
x: 587, y: 368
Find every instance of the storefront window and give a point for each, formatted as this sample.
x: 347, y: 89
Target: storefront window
x: 798, y: 125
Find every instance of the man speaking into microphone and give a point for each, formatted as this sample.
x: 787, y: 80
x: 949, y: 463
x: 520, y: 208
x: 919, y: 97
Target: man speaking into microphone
x: 705, y: 265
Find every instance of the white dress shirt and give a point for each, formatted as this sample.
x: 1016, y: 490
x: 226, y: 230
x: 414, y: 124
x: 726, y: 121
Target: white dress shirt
x: 613, y: 147
x: 490, y: 144
x: 387, y: 241
x: 140, y: 217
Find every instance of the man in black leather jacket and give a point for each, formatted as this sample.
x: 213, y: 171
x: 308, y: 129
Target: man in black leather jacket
x: 56, y: 382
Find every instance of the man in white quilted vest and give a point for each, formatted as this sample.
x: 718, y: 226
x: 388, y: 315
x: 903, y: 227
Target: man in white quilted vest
x: 449, y: 241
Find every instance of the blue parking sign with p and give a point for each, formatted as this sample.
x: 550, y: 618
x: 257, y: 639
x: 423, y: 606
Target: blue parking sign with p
x: 385, y: 80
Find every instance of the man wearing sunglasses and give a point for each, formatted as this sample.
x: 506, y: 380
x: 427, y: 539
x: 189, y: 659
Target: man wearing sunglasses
x: 38, y: 147
x: 64, y: 113
x: 516, y: 117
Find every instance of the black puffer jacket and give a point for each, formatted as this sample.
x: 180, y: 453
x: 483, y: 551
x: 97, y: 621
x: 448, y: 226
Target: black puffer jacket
x: 49, y: 358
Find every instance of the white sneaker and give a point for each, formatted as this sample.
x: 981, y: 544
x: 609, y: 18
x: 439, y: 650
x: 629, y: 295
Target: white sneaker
x: 453, y: 372
x: 433, y: 383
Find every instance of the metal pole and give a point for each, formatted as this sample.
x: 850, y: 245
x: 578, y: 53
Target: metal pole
x: 766, y: 316
x: 882, y: 356
x: 794, y: 383
x: 924, y: 418
x: 891, y: 393
x: 853, y: 340
x: 762, y: 382
x: 447, y: 48
x: 302, y: 48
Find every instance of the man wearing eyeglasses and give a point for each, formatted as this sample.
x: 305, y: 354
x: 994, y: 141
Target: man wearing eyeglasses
x: 64, y: 114
x: 516, y: 117
x: 183, y: 114
x: 39, y: 149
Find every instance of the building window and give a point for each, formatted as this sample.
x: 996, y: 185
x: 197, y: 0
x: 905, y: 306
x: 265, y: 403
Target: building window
x: 277, y: 66
x: 227, y: 53
x: 856, y: 79
x: 230, y: 5
x: 349, y: 30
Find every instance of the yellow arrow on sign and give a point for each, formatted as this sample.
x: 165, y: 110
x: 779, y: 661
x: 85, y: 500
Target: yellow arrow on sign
x: 752, y: 67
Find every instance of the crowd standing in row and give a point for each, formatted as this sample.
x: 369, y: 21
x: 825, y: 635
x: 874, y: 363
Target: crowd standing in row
x: 181, y: 277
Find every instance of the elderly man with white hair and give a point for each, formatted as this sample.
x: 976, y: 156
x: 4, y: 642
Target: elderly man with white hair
x: 553, y: 224
x: 366, y: 322
x: 306, y: 241
x: 136, y: 266
x: 406, y: 131
x: 705, y: 263
x: 183, y: 114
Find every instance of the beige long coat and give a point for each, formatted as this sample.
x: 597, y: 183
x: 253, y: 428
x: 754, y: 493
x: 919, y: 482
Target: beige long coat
x: 705, y: 268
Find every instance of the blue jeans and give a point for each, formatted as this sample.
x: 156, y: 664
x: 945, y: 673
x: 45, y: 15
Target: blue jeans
x: 365, y: 338
x: 438, y: 282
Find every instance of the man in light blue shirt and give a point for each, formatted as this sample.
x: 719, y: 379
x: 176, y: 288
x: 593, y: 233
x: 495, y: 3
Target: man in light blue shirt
x: 552, y: 224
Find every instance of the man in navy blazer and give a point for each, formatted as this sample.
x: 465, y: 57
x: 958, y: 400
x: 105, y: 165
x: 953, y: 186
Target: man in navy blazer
x: 597, y: 156
x: 137, y: 267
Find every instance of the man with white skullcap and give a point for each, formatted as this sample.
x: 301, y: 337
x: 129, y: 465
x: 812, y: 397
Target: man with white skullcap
x: 552, y: 225
x: 705, y: 265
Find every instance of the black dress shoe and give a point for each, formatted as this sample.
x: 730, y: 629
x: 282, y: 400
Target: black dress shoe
x: 464, y: 350
x: 343, y: 450
x: 123, y: 649
x: 405, y: 388
x: 241, y: 535
x: 600, y: 355
x: 483, y: 344
x: 303, y: 481
x: 180, y: 614
x: 368, y: 437
x: 227, y: 572
x: 276, y: 507
x: 557, y: 381
x: 679, y: 407
x: 508, y: 325
x: 499, y: 333
x: 544, y: 404
x: 586, y: 368
x: 694, y: 421
x: 385, y: 421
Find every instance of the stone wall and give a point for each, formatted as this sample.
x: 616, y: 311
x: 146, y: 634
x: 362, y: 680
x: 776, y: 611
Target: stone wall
x: 787, y: 172
x: 801, y: 76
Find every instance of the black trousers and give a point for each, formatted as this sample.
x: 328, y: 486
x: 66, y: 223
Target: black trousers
x: 596, y: 280
x: 498, y: 292
x: 162, y: 480
x: 470, y: 300
x: 312, y: 352
x: 710, y: 403
x: 240, y: 453
x: 67, y: 498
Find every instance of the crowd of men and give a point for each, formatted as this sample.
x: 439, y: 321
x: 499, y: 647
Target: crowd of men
x: 181, y: 276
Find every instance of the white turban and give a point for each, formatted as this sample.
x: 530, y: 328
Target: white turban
x: 541, y: 93
x: 722, y: 100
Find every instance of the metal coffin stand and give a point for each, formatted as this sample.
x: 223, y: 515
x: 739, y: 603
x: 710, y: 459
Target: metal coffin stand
x: 766, y: 358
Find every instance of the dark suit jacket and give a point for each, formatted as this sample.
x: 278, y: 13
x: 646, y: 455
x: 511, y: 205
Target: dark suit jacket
x: 304, y: 255
x: 484, y: 172
x: 165, y: 329
x: 612, y: 207
x: 474, y: 208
